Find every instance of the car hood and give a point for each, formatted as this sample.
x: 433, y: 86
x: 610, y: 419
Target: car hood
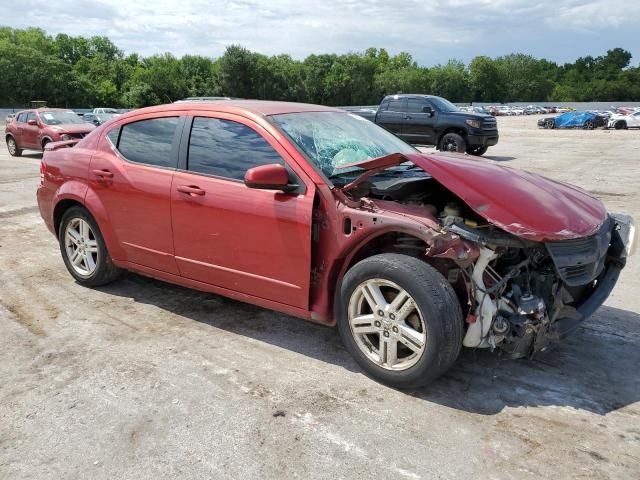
x: 524, y: 204
x: 73, y: 128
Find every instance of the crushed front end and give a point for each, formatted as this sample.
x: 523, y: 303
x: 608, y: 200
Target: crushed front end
x: 523, y: 295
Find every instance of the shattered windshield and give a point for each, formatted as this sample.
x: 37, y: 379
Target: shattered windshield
x: 60, y: 118
x: 332, y: 139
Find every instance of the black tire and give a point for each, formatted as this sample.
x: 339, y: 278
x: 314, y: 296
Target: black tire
x: 441, y: 312
x: 477, y: 150
x: 105, y: 271
x: 621, y: 125
x: 589, y: 125
x: 452, y: 142
x: 12, y: 146
x: 551, y: 124
x: 44, y: 143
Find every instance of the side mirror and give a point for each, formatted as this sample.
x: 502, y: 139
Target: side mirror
x: 32, y: 122
x: 428, y: 110
x: 269, y: 177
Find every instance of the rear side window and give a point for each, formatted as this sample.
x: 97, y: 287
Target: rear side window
x: 30, y: 116
x: 149, y: 141
x: 399, y: 105
x: 224, y: 148
x: 113, y: 135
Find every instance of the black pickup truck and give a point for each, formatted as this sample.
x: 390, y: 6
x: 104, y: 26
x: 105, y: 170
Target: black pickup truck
x: 431, y: 120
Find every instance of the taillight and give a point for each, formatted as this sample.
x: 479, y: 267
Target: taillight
x: 43, y: 171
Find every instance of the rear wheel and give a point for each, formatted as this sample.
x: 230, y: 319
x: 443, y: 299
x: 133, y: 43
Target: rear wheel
x: 12, y: 146
x: 550, y: 124
x: 622, y: 125
x: 589, y: 125
x: 83, y: 249
x: 400, y: 320
x: 452, y: 142
x: 477, y: 150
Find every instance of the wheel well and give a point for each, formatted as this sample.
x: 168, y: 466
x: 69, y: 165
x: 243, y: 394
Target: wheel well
x: 406, y: 244
x: 45, y: 140
x: 8, y: 136
x: 457, y: 130
x: 59, y: 211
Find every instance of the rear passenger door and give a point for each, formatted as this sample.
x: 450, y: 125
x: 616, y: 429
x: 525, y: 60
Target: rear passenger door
x: 419, y: 127
x: 391, y: 115
x: 130, y: 174
x: 257, y: 242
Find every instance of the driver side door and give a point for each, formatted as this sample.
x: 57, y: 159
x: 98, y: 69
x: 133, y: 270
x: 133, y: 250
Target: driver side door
x: 256, y: 242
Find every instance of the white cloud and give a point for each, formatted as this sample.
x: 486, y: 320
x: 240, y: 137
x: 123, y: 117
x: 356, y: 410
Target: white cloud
x: 431, y: 30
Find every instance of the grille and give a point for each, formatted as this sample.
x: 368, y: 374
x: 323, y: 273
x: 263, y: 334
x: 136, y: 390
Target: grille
x: 489, y: 124
x: 581, y: 260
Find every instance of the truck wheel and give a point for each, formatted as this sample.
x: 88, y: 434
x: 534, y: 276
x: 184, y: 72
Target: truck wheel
x: 452, y: 142
x: 400, y: 320
x: 477, y: 150
x: 12, y: 146
x: 83, y: 249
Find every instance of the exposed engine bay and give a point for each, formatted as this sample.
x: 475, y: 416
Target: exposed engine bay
x: 513, y: 291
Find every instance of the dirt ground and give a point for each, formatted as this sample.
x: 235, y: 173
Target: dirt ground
x: 142, y: 379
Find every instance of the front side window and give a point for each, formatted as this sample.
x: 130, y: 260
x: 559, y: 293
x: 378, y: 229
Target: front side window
x: 22, y: 117
x: 333, y: 139
x: 148, y: 141
x: 224, y: 148
x: 415, y: 105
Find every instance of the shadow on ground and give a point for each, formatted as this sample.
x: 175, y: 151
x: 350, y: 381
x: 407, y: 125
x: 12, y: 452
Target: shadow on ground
x: 499, y: 158
x: 594, y: 370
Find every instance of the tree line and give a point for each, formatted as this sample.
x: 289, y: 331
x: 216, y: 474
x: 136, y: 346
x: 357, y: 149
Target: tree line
x: 78, y: 71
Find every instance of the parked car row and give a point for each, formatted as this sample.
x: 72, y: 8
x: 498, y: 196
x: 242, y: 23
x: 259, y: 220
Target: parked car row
x: 594, y: 119
x: 512, y: 110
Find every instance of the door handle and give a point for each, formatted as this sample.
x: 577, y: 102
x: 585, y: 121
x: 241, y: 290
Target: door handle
x: 104, y: 173
x: 191, y: 190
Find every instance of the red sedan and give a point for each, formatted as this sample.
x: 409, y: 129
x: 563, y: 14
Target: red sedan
x: 33, y: 129
x: 321, y: 214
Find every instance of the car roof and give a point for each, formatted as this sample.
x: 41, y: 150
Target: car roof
x: 256, y: 107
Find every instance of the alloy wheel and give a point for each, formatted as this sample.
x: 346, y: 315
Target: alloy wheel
x: 81, y: 247
x: 387, y: 324
x: 11, y: 146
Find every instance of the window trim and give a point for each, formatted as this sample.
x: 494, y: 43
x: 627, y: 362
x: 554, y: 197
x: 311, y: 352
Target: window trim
x: 186, y: 139
x: 175, y: 141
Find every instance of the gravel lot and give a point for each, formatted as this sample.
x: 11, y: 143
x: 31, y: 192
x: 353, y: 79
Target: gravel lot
x: 142, y: 379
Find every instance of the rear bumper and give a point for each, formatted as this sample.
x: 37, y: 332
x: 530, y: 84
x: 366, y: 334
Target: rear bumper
x: 484, y: 140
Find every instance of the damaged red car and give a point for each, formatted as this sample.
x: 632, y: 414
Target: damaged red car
x: 321, y: 214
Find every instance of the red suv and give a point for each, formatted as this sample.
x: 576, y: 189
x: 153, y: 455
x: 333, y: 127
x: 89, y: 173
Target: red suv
x: 321, y: 214
x: 33, y: 129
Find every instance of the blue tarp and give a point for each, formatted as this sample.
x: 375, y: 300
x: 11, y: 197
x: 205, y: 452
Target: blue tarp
x: 574, y: 119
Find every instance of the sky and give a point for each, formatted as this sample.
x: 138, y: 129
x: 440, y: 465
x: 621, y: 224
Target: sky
x: 432, y: 31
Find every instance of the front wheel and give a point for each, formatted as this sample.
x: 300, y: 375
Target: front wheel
x: 400, y: 320
x: 83, y: 249
x: 477, y: 150
x: 589, y: 125
x: 452, y: 142
x: 12, y: 146
x: 620, y: 125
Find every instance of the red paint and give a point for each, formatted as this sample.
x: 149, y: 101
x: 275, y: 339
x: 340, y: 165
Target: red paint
x: 284, y: 251
x: 32, y: 135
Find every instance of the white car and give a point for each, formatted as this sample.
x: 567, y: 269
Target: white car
x: 102, y: 111
x: 504, y: 110
x: 517, y: 110
x: 625, y: 121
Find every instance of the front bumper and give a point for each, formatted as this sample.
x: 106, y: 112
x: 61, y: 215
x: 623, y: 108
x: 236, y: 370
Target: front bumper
x: 623, y: 244
x: 484, y: 140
